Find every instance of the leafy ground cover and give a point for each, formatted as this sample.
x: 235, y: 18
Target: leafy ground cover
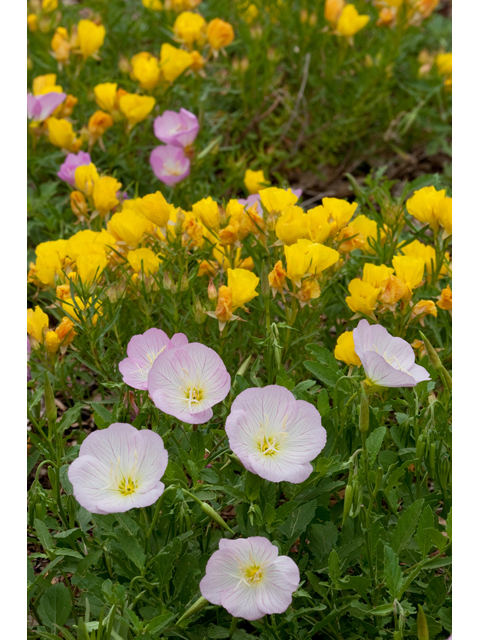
x: 239, y: 320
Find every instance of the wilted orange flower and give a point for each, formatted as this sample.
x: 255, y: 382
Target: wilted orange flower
x: 192, y: 232
x: 65, y: 331
x: 309, y: 290
x: 219, y: 33
x: 206, y: 268
x: 445, y: 300
x: 79, y: 204
x: 276, y: 278
x: 424, y: 308
x: 224, y: 312
x: 393, y: 290
x: 98, y: 123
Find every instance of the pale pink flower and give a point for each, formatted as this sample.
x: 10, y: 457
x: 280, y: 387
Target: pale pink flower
x: 119, y: 468
x: 388, y: 361
x: 275, y: 435
x: 169, y: 164
x: 186, y: 382
x: 39, y: 108
x: 179, y: 129
x: 142, y: 351
x: 249, y: 578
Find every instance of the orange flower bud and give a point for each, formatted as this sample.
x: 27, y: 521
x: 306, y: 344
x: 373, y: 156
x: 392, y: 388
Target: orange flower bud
x: 65, y: 331
x: 212, y: 291
x: 445, y: 300
x: 276, y: 278
x: 223, y: 312
x: 78, y: 204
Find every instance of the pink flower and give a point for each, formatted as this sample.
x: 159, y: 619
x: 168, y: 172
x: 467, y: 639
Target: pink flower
x: 249, y: 578
x: 388, y: 361
x: 118, y: 469
x: 142, y: 351
x: 178, y: 129
x: 275, y: 435
x: 169, y: 164
x: 72, y: 161
x: 186, y: 382
x: 39, y: 108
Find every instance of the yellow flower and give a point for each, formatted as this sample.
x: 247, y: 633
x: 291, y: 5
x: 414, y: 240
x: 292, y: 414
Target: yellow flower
x: 219, y: 33
x: 88, y: 241
x: 333, y: 9
x: 90, y: 37
x: 90, y: 266
x: 362, y: 298
x: 49, y: 5
x: 309, y: 290
x: 193, y: 231
x: 129, y: 227
x: 242, y: 284
x: 37, y: 321
x: 52, y: 342
x: 50, y: 260
x: 424, y: 308
x: 349, y: 239
x: 366, y: 228
x: 444, y: 64
x: 425, y: 7
x: 61, y: 134
x: 143, y: 260
x: 276, y: 200
x: 444, y: 215
x: 173, y: 62
x: 198, y: 61
x: 145, y: 70
x: 345, y: 350
x: 189, y: 28
x: 308, y: 258
x: 291, y: 225
x: 427, y: 253
x: 106, y: 96
x: 375, y: 274
x: 393, y: 290
x: 32, y: 22
x: 276, y: 278
x: 136, y: 108
x: 45, y: 84
x: 409, y: 269
x: 255, y: 181
x: 251, y: 12
x: 78, y: 204
x: 85, y: 177
x: 98, y: 123
x: 155, y: 208
x: 207, y: 211
x: 244, y: 222
x: 153, y: 5
x: 105, y: 194
x: 445, y: 299
x: 318, y: 226
x: 65, y: 331
x: 340, y: 212
x: 425, y: 204
x: 65, y: 110
x: 350, y: 22
x: 322, y: 256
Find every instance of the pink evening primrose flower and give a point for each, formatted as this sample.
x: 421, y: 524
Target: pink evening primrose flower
x: 388, y: 361
x: 142, y: 351
x: 275, y: 435
x: 249, y: 578
x: 72, y: 161
x: 169, y: 164
x: 39, y: 108
x: 179, y: 129
x: 118, y: 469
x: 186, y: 382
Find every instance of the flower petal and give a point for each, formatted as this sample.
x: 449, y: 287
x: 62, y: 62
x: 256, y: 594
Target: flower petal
x: 381, y: 373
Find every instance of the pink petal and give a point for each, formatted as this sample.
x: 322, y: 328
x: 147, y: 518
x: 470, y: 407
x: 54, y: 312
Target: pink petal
x: 381, y: 373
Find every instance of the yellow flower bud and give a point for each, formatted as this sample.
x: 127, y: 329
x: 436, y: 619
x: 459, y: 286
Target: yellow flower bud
x: 189, y: 28
x: 145, y: 70
x: 219, y: 33
x: 85, y: 177
x: 52, y: 342
x: 106, y: 96
x: 37, y: 322
x: 61, y: 134
x: 208, y: 213
x: 49, y: 5
x: 32, y: 22
x: 255, y: 181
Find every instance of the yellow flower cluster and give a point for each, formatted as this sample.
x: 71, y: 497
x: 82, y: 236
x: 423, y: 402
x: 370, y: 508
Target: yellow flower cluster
x: 52, y: 340
x: 85, y: 40
x: 432, y: 207
x: 120, y: 104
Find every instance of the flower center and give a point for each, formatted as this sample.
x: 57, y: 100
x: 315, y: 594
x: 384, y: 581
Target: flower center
x: 194, y: 395
x: 268, y: 441
x: 173, y: 169
x: 127, y: 487
x: 252, y: 575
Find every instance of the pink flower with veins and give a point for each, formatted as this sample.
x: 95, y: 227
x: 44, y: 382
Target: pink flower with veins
x: 118, y: 469
x: 39, y: 108
x: 275, y: 435
x: 169, y: 164
x: 142, y: 351
x: 388, y: 361
x: 178, y: 129
x: 249, y: 578
x: 187, y: 381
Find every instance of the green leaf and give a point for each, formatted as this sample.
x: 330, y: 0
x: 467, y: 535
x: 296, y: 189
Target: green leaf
x: 105, y: 417
x: 323, y: 355
x: 393, y: 573
x: 55, y: 606
x: 449, y: 525
x: 323, y: 404
x: 334, y: 567
x: 322, y: 538
x: 133, y: 550
x: 253, y: 485
x: 70, y: 416
x: 374, y: 442
x: 159, y: 622
x: 427, y: 521
x: 436, y: 538
x: 382, y: 610
x: 43, y: 535
x: 406, y: 525
x: 320, y: 588
x: 87, y: 562
x: 323, y: 373
x: 297, y: 522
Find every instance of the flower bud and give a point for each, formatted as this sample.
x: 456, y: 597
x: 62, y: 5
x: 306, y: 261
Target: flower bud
x: 200, y: 315
x: 168, y: 282
x: 347, y: 502
x: 422, y: 626
x: 184, y: 282
x: 420, y: 448
x: 264, y: 286
x: 212, y: 290
x: 436, y: 362
x: 178, y: 227
x: 51, y: 341
x: 50, y: 406
x: 364, y: 417
x: 195, y: 608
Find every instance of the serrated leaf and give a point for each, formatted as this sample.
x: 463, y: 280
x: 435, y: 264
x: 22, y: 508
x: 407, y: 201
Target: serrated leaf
x: 393, y: 573
x: 406, y: 525
x: 436, y: 538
